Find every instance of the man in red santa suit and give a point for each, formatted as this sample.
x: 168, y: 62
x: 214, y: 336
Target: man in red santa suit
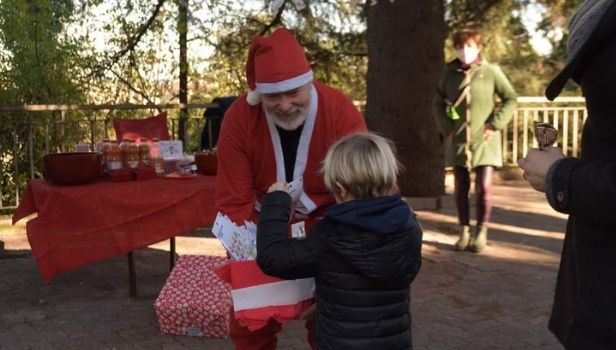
x: 279, y: 131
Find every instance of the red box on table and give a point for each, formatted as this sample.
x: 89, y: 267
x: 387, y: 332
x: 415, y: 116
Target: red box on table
x: 194, y: 300
x: 119, y: 175
x: 143, y: 173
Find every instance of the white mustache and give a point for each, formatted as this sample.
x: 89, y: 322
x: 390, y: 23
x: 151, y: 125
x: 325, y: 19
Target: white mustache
x: 290, y: 113
x: 289, y: 120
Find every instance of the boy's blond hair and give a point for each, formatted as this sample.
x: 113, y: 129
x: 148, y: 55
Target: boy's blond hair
x: 364, y: 164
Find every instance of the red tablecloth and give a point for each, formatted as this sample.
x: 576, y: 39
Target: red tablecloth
x: 78, y: 225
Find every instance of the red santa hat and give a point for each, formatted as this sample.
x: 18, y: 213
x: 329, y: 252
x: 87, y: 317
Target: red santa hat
x: 275, y: 64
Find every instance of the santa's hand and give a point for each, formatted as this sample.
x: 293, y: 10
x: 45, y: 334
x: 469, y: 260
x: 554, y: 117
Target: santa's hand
x: 537, y: 164
x: 278, y: 186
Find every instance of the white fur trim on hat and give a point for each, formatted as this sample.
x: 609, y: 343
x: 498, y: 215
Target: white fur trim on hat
x: 285, y: 85
x: 253, y: 98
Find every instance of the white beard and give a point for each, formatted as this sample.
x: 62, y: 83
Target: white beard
x: 289, y: 122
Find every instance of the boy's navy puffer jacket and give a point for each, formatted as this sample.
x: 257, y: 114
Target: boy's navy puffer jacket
x: 364, y: 255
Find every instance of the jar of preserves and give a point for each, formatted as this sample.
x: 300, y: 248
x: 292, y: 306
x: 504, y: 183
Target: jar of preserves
x: 114, y: 156
x: 156, y: 160
x: 159, y: 165
x: 154, y: 149
x: 130, y: 154
x: 104, y: 149
x: 144, y: 152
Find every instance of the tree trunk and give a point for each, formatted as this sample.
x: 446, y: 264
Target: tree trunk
x: 405, y: 51
x: 183, y: 31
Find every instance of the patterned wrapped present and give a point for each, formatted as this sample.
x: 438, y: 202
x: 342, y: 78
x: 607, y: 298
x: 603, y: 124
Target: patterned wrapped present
x: 194, y: 300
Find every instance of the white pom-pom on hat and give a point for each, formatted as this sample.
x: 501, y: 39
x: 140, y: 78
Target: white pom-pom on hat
x: 253, y: 97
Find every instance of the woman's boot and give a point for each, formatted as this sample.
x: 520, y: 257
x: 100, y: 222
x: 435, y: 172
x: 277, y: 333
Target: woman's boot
x: 465, y: 236
x: 479, y: 242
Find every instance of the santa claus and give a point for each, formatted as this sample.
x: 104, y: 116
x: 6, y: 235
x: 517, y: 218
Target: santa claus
x: 279, y: 131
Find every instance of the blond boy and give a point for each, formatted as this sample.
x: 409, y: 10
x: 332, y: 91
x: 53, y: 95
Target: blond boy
x: 364, y: 253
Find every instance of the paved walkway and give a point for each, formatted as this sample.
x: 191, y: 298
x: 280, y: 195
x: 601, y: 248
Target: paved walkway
x: 496, y: 300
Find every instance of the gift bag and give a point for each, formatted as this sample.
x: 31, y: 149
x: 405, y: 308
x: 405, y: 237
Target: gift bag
x: 194, y: 300
x: 257, y: 297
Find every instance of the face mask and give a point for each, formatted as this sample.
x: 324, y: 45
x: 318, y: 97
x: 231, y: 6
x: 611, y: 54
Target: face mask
x: 467, y: 55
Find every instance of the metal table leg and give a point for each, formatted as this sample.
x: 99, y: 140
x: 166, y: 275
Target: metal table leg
x: 132, y: 276
x: 171, y: 253
x: 132, y: 281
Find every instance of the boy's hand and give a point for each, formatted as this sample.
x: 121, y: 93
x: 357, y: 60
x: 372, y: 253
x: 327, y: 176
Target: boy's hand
x: 278, y: 186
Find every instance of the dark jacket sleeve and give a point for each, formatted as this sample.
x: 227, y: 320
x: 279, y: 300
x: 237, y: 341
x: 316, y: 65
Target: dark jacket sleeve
x: 278, y: 255
x: 583, y: 188
x: 439, y: 106
x: 414, y: 252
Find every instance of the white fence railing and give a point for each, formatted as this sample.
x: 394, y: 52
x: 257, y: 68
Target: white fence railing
x: 567, y: 114
x: 39, y: 129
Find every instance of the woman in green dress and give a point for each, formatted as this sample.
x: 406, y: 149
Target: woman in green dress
x: 468, y: 117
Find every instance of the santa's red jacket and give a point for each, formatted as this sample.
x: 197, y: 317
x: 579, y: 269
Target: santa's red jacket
x: 250, y: 157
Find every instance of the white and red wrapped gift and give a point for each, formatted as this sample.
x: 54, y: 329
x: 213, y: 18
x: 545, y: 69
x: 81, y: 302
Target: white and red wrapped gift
x: 257, y: 297
x: 194, y: 300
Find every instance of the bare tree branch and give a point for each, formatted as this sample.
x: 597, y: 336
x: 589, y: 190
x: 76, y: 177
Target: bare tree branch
x: 277, y: 19
x: 140, y: 78
x: 132, y: 87
x: 132, y: 40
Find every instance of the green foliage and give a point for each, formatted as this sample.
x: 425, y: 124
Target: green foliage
x: 36, y: 66
x: 506, y: 40
x: 557, y: 17
x: 126, y: 51
x: 37, y: 62
x: 332, y: 33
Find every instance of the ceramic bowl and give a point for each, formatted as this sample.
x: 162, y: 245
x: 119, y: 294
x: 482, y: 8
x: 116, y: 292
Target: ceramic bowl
x: 72, y: 168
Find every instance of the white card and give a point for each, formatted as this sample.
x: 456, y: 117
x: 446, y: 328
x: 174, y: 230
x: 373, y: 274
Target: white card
x: 298, y: 230
x: 218, y: 224
x: 239, y: 241
x: 171, y: 149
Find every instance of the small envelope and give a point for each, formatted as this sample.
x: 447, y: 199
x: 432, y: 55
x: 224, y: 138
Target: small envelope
x: 296, y: 187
